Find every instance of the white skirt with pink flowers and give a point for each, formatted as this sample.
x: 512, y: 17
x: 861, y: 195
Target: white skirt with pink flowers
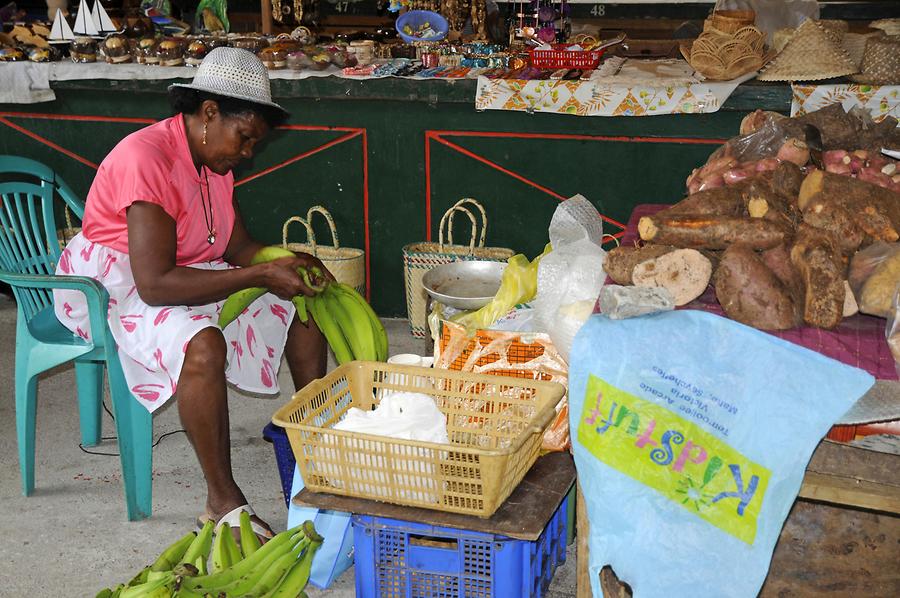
x: 152, y: 340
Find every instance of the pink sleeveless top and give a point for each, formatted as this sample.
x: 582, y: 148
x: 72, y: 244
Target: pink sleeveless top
x: 154, y: 165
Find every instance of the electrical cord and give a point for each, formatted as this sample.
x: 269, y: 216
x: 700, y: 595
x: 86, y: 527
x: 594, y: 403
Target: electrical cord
x: 112, y: 417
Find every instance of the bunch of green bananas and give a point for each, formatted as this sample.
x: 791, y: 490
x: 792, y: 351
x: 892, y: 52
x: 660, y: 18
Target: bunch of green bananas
x: 279, y: 568
x: 345, y: 318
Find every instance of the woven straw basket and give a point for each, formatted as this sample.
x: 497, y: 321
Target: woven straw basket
x: 347, y: 264
x: 419, y: 258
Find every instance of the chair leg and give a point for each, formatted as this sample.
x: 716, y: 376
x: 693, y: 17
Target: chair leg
x: 89, y: 378
x: 134, y: 427
x: 26, y: 409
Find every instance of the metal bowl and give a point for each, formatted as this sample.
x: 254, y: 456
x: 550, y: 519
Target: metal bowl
x: 466, y: 284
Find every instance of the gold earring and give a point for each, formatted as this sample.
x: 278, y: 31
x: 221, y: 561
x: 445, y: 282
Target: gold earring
x: 204, y: 133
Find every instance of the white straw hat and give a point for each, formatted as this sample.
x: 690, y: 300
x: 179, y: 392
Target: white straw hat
x: 234, y: 73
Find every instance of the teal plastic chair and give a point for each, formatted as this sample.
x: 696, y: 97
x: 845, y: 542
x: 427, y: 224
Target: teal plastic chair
x: 31, y: 193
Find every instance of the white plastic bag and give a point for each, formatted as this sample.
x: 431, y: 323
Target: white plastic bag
x: 571, y: 275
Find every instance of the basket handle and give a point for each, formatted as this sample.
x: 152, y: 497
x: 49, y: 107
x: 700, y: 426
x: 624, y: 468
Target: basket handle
x: 444, y: 223
x: 310, y: 235
x: 328, y: 218
x: 474, y: 202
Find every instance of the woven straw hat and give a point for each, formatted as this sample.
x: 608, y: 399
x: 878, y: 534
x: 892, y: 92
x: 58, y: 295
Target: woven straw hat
x: 855, y: 44
x: 889, y: 26
x: 881, y: 62
x: 234, y: 73
x: 810, y: 55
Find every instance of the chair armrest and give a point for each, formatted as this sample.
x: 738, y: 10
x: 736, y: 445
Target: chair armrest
x: 95, y: 294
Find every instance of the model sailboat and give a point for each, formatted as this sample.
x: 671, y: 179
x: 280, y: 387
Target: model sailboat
x: 61, y: 33
x: 84, y: 22
x: 101, y: 20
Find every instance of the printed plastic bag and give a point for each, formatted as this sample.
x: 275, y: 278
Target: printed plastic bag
x: 691, y: 441
x: 571, y: 275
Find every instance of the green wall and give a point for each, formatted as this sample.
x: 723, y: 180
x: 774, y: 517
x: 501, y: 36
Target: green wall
x: 615, y: 174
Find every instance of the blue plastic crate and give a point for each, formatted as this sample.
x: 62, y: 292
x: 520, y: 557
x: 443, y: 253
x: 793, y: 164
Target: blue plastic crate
x: 284, y: 457
x: 404, y: 559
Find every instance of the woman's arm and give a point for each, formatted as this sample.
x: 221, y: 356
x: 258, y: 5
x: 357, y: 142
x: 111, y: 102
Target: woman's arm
x: 241, y: 247
x: 152, y: 251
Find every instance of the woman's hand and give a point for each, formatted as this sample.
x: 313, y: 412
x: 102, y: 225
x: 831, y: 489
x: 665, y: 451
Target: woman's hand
x: 282, y: 279
x: 310, y: 261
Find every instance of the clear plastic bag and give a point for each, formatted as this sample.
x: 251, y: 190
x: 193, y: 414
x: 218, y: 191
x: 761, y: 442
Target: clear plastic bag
x: 892, y: 331
x: 570, y: 277
x: 772, y: 15
x: 874, y: 277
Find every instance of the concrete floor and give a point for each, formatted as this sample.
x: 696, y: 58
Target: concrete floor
x: 71, y: 537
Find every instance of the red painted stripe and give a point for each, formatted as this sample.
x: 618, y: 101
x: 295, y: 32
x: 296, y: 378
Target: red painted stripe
x: 502, y: 169
x: 299, y: 157
x: 79, y: 117
x: 320, y: 128
x: 49, y: 143
x: 367, y: 241
x: 428, y: 137
x: 564, y: 136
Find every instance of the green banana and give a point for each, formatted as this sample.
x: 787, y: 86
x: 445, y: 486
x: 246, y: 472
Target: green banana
x: 329, y: 328
x: 218, y: 559
x: 296, y: 579
x: 140, y: 577
x: 300, y: 303
x: 308, y: 280
x: 201, y: 544
x: 237, y: 302
x: 211, y: 583
x: 353, y: 323
x: 271, y: 576
x: 231, y: 549
x: 269, y: 253
x: 381, y: 339
x: 243, y: 584
x: 200, y: 563
x: 249, y: 540
x: 171, y: 556
x: 151, y: 588
x: 104, y: 593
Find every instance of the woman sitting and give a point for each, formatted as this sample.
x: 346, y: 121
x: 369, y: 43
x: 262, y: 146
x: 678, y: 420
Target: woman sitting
x: 162, y: 232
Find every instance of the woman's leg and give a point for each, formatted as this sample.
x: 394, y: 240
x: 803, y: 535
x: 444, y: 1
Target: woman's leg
x: 203, y: 407
x: 306, y: 352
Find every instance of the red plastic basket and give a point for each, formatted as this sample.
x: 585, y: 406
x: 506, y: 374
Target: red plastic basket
x: 560, y: 58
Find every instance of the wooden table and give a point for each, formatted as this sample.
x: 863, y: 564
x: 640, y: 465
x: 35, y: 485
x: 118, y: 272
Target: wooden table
x: 841, y: 538
x: 522, y: 516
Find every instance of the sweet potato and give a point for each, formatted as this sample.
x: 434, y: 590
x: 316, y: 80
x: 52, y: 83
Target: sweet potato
x: 724, y: 201
x: 851, y: 307
x: 685, y: 273
x: 818, y: 260
x: 835, y: 219
x: 763, y: 202
x: 794, y: 150
x: 620, y: 261
x: 750, y: 293
x: 712, y: 232
x: 876, y: 211
x: 786, y: 180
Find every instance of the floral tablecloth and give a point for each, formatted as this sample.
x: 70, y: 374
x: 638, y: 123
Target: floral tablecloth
x: 618, y: 88
x: 879, y: 100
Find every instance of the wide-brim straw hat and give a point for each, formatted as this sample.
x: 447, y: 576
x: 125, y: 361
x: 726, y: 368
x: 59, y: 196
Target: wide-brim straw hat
x: 889, y: 26
x: 855, y: 44
x: 811, y: 54
x: 233, y: 73
x: 881, y: 62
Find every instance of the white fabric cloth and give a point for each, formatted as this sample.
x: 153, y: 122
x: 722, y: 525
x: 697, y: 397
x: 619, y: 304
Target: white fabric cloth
x: 152, y: 340
x: 25, y: 83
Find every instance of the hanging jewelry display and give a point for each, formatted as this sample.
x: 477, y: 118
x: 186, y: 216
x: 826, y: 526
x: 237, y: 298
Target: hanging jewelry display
x: 478, y: 12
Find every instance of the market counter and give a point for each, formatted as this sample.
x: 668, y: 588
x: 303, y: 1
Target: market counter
x: 386, y: 155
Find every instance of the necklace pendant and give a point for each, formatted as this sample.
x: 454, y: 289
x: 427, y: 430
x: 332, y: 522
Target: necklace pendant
x: 211, y: 239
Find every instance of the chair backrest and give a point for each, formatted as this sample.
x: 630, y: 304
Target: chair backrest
x: 31, y: 195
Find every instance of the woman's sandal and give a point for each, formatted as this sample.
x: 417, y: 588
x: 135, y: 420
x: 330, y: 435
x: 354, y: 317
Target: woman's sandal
x: 233, y: 520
